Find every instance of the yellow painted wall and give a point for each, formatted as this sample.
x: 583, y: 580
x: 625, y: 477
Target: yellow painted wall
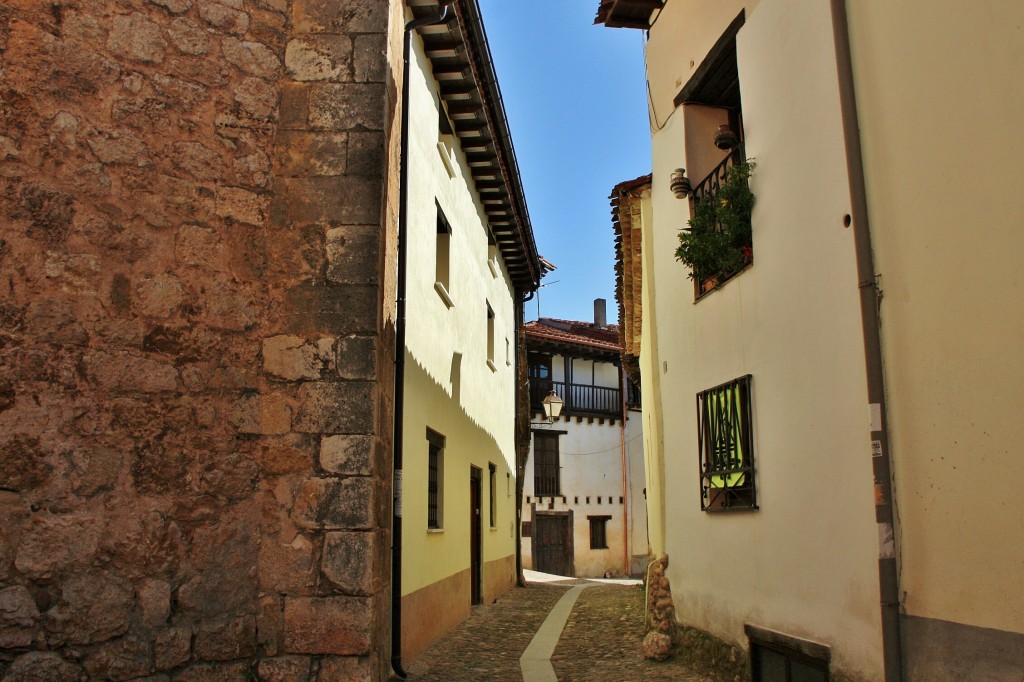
x: 941, y: 101
x: 450, y: 387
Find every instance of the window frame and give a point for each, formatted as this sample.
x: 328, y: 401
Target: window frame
x: 435, y: 480
x: 492, y: 480
x: 726, y: 411
x: 442, y: 258
x: 600, y: 524
x: 548, y: 471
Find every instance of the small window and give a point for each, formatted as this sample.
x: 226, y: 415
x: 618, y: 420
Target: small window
x: 598, y: 532
x: 446, y: 141
x: 527, y: 529
x: 492, y: 472
x: 490, y: 338
x: 546, y: 469
x: 777, y: 657
x: 492, y: 256
x: 726, y: 446
x: 435, y: 480
x: 442, y: 278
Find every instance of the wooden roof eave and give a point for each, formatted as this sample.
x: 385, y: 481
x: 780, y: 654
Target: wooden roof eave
x: 460, y: 59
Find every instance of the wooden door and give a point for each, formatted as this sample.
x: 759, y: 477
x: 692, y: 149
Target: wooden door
x: 475, y: 528
x: 552, y: 544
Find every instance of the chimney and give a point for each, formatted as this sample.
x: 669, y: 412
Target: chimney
x: 600, y: 314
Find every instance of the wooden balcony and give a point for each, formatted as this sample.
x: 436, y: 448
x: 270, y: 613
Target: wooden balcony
x: 578, y: 399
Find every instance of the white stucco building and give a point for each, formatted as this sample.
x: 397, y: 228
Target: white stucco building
x: 823, y: 459
x: 583, y: 507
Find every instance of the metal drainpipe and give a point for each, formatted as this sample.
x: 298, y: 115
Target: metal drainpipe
x: 888, y: 576
x: 625, y: 485
x: 398, y: 434
x: 520, y: 458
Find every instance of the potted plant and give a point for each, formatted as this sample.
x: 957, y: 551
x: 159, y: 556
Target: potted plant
x: 718, y: 242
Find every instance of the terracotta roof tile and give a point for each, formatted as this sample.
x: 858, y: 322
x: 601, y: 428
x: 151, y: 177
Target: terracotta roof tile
x: 574, y: 332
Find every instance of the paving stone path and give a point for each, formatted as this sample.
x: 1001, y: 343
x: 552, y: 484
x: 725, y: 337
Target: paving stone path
x: 600, y: 641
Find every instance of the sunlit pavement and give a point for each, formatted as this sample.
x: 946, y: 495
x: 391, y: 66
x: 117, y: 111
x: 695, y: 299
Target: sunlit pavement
x: 596, y: 638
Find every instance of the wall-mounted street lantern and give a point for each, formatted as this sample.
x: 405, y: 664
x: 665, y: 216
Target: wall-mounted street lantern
x: 679, y: 183
x: 552, y: 406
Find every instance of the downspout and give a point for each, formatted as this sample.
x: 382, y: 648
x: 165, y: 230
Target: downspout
x: 399, y: 431
x: 888, y: 576
x: 521, y: 448
x: 625, y: 484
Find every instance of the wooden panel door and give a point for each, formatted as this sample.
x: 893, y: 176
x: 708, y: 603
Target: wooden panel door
x: 475, y: 528
x: 552, y: 544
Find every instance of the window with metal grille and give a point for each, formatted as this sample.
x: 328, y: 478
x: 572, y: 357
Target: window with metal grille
x: 726, y: 446
x: 492, y: 472
x: 435, y: 479
x: 598, y: 532
x: 545, y: 464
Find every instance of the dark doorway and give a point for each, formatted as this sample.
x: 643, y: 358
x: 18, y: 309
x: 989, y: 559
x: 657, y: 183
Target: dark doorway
x: 475, y: 528
x: 552, y: 543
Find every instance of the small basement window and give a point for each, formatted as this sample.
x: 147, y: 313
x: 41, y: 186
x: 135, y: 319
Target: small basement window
x: 776, y: 657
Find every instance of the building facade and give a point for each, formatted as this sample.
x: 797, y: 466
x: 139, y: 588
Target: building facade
x: 470, y: 260
x: 583, y: 508
x: 198, y: 327
x: 770, y: 435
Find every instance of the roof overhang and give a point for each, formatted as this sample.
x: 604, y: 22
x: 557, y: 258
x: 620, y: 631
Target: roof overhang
x: 461, y: 64
x: 627, y: 13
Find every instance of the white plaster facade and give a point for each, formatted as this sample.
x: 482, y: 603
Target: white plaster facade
x: 601, y: 468
x: 805, y: 562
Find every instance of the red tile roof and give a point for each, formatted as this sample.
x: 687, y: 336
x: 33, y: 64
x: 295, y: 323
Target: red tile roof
x: 577, y: 333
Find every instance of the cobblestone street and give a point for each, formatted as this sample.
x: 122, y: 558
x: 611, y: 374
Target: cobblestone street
x: 600, y: 641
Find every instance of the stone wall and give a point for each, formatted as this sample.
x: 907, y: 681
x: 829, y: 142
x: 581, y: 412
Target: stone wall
x: 195, y: 365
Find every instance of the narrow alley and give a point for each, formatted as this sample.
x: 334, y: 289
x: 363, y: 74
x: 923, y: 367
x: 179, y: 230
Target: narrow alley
x: 600, y: 641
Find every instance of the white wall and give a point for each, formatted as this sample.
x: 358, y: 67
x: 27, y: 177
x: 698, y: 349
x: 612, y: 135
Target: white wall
x: 805, y: 562
x: 591, y: 458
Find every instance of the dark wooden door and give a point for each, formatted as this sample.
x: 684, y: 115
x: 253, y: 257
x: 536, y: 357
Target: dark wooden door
x: 475, y: 528
x: 552, y: 551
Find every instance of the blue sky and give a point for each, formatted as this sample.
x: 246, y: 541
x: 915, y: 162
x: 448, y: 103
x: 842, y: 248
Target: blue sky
x: 576, y: 101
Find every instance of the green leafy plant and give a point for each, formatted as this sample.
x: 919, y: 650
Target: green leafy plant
x: 718, y: 241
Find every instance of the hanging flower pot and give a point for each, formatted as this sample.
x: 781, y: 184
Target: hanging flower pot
x: 725, y: 137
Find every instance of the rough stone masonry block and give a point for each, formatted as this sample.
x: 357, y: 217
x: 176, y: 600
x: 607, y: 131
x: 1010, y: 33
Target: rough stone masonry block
x: 347, y: 454
x: 319, y: 58
x: 353, y: 253
x: 262, y: 414
x: 335, y: 407
x: 370, y: 58
x: 18, y: 617
x: 335, y: 504
x: 324, y: 308
x: 348, y: 562
x: 292, y: 357
x: 342, y: 199
x: 347, y: 106
x: 323, y: 16
x: 302, y: 154
x: 328, y: 625
x: 357, y: 357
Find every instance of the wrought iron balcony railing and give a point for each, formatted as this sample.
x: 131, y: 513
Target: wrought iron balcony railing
x: 578, y: 399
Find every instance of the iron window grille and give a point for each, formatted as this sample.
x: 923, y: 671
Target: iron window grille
x: 435, y: 453
x: 546, y: 467
x: 726, y: 446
